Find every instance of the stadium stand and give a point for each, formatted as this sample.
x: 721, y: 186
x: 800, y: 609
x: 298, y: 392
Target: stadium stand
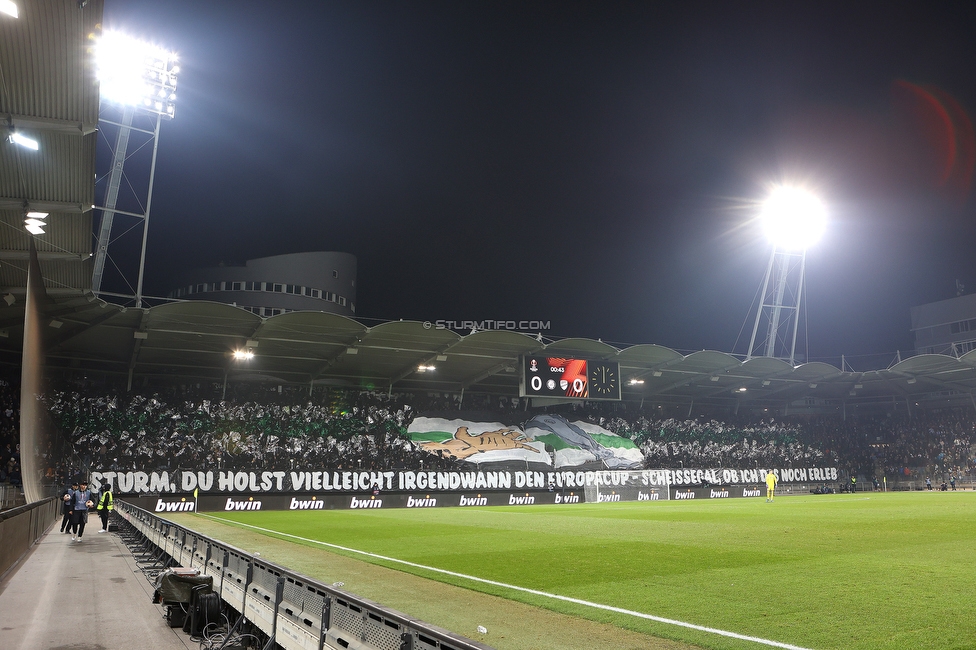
x: 258, y: 427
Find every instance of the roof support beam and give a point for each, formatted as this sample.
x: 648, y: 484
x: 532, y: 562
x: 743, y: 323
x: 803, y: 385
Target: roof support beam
x: 7, y: 203
x: 136, y: 346
x: 935, y: 381
x: 432, y: 356
x: 48, y: 124
x: 494, y: 370
x: 74, y: 333
x: 692, y: 378
x: 334, y: 359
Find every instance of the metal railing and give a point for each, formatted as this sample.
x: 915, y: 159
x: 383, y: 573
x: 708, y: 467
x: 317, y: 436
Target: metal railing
x: 21, y: 527
x: 295, y: 612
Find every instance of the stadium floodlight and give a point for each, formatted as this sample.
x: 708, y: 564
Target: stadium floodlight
x: 141, y: 79
x: 9, y: 8
x: 23, y: 140
x: 243, y: 355
x: 135, y: 73
x: 793, y: 218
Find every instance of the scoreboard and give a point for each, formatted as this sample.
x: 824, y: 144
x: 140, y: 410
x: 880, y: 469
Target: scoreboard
x: 544, y: 376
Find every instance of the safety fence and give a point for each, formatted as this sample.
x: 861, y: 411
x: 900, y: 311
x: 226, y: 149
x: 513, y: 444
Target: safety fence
x: 295, y: 612
x: 21, y: 527
x: 9, y: 495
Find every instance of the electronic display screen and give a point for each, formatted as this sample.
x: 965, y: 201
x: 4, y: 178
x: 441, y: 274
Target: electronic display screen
x: 544, y: 376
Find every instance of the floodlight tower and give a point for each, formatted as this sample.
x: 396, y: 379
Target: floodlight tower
x: 141, y: 79
x: 793, y: 220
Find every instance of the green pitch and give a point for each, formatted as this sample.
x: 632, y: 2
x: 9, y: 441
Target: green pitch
x: 872, y: 571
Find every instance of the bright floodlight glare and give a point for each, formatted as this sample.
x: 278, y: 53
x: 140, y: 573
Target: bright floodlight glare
x: 793, y: 218
x: 134, y: 73
x: 8, y: 7
x: 23, y: 141
x: 243, y: 355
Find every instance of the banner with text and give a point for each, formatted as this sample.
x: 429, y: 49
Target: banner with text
x: 348, y: 481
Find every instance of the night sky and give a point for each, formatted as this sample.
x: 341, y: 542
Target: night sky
x: 595, y: 165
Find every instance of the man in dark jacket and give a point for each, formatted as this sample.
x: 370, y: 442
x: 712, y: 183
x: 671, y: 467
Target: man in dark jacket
x: 81, y: 500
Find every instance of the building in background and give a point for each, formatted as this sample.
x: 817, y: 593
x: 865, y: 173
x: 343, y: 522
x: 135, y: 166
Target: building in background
x: 268, y: 286
x: 945, y: 327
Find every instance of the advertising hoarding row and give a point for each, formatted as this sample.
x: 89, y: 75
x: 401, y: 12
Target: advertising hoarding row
x: 163, y: 504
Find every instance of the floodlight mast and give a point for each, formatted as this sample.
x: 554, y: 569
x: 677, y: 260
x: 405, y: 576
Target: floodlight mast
x: 794, y: 220
x: 142, y: 79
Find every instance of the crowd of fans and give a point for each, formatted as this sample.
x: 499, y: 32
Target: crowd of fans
x: 9, y: 434
x: 710, y: 443
x: 278, y: 428
x: 930, y: 444
x: 146, y: 432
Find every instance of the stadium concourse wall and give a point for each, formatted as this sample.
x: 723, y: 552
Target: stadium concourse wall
x: 21, y: 527
x: 435, y: 489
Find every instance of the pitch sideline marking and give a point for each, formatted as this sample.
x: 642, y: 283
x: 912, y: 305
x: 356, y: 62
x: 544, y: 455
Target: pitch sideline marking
x: 535, y: 592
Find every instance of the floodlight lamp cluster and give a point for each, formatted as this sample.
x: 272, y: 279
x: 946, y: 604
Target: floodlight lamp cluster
x: 793, y: 218
x: 9, y: 8
x: 243, y: 355
x: 133, y: 73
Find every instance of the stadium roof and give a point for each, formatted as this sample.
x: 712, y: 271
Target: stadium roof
x: 195, y: 341
x: 48, y: 93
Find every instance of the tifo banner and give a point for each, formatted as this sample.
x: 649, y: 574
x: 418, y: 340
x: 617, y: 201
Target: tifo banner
x: 434, y: 481
x: 573, y: 443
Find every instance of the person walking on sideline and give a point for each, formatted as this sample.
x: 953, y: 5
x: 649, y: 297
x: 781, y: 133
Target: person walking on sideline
x: 105, y: 506
x: 770, y: 485
x: 81, y: 500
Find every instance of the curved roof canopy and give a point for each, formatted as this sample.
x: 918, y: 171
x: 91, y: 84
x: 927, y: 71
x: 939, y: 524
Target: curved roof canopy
x: 195, y: 341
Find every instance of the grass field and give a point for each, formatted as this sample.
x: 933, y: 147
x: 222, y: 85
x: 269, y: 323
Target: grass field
x: 871, y: 571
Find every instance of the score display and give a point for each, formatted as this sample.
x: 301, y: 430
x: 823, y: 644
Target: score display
x: 544, y: 376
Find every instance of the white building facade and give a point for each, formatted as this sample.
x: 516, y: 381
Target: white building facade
x: 945, y: 327
x: 268, y: 286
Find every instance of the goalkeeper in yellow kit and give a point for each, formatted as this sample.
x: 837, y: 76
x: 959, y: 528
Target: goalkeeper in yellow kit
x: 770, y: 485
